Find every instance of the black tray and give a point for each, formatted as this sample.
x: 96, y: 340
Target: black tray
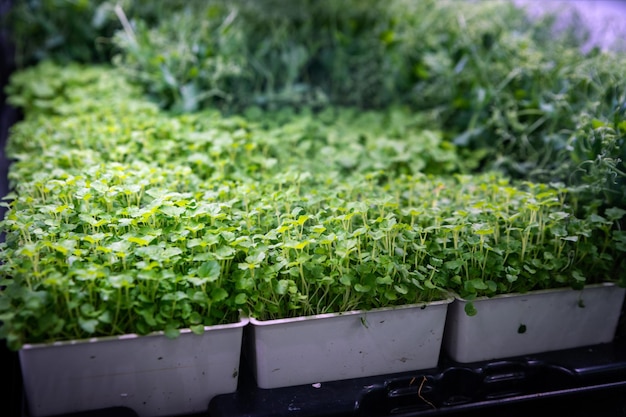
x: 588, y: 381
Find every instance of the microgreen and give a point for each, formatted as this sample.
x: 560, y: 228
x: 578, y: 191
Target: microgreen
x: 127, y: 218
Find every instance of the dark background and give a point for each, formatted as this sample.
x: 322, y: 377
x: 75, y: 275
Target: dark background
x: 10, y: 383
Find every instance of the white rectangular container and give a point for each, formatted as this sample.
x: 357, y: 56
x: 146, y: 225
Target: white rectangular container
x: 152, y: 375
x: 329, y: 347
x: 538, y: 321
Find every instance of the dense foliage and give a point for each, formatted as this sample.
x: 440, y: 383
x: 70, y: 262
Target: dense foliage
x: 494, y: 81
x: 289, y: 158
x: 524, y: 99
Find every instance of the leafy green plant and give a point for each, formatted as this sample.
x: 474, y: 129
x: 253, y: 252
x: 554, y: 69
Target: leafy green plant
x: 73, y: 31
x: 110, y: 251
x: 110, y: 235
x: 432, y: 56
x: 507, y: 90
x: 47, y: 90
x: 596, y: 169
x: 270, y: 53
x: 99, y: 112
x: 267, y: 188
x: 334, y: 253
x: 504, y: 238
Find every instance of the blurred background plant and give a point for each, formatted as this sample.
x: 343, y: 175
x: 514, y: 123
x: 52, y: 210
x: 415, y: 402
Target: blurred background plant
x: 515, y: 93
x: 81, y: 30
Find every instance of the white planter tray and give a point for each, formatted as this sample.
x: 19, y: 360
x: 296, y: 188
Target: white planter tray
x: 329, y: 347
x: 152, y: 375
x: 539, y: 321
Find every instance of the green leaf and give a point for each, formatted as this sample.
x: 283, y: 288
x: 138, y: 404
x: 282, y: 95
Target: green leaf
x: 241, y: 298
x: 302, y: 219
x: 453, y: 265
x: 105, y: 317
x: 121, y: 281
x: 210, y: 270
x: 87, y: 309
x: 390, y: 295
x: 615, y: 213
x: 35, y: 300
x: 245, y: 283
x: 346, y: 280
x: 199, y: 297
x: 386, y: 280
x: 558, y: 216
x: 511, y: 278
x: 595, y: 218
x: 435, y: 262
x: 596, y: 123
x: 476, y: 284
x: 470, y: 309
x: 401, y: 289
x: 172, y: 211
x: 219, y: 294
x: 119, y: 247
x: 256, y: 257
x: 195, y: 318
x: 197, y: 281
x: 174, y: 296
x: 429, y: 284
x: 224, y: 252
x: 482, y: 229
x: 139, y: 240
x: 578, y: 276
x: 529, y: 269
x: 197, y: 329
x: 171, y: 331
x: 88, y: 325
x: 171, y: 252
x: 282, y: 286
x: 362, y: 288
